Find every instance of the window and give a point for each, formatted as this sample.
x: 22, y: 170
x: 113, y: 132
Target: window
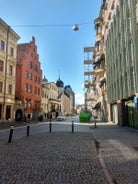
x: 10, y: 70
x: 11, y: 51
x: 31, y: 64
x: 29, y: 104
x: 35, y: 78
x: 31, y: 76
x: 26, y: 74
x: 98, y: 28
x: 38, y: 80
x: 2, y: 45
x: 10, y: 89
x: 36, y: 68
x: 1, y: 66
x: 35, y: 90
x: 26, y: 87
x: 38, y: 91
x: 97, y: 45
x: 30, y: 88
x: 1, y: 85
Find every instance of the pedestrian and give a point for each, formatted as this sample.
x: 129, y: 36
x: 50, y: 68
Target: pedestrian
x: 25, y: 118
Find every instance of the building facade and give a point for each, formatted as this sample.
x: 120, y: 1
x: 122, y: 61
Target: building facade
x: 122, y: 64
x: 70, y: 94
x: 29, y: 79
x: 8, y: 49
x: 45, y: 98
x: 54, y: 103
x: 67, y: 97
x: 102, y: 27
x: 51, y: 103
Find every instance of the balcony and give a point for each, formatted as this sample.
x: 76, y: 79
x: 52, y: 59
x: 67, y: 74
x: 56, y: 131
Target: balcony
x: 89, y: 61
x: 88, y: 73
x: 99, y: 70
x: 88, y: 49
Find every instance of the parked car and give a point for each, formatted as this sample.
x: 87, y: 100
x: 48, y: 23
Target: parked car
x: 61, y: 117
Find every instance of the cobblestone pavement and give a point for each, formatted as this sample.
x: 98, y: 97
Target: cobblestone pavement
x: 119, y: 149
x: 106, y: 154
x: 51, y: 158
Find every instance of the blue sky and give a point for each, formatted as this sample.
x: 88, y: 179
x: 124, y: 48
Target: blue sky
x: 59, y: 47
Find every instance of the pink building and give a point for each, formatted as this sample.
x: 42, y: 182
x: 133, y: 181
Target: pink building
x: 28, y: 80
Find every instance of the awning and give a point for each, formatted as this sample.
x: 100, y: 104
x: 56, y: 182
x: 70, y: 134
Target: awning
x: 96, y: 106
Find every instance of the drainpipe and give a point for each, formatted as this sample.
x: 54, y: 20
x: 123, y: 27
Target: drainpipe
x: 6, y: 63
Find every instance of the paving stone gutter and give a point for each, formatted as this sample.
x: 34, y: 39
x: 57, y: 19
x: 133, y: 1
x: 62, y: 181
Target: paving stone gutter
x: 106, y: 171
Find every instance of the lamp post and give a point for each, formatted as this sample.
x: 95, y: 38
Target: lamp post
x: 75, y: 27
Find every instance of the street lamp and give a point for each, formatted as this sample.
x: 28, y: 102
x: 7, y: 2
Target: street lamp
x: 75, y: 27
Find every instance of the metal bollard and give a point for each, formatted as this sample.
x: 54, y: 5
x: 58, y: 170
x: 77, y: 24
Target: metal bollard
x: 72, y: 126
x: 50, y: 126
x: 95, y: 124
x: 28, y: 129
x: 11, y: 133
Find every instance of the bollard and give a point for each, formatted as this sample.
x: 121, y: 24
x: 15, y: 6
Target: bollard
x: 50, y: 126
x: 72, y: 126
x: 95, y: 124
x: 28, y: 129
x: 11, y: 133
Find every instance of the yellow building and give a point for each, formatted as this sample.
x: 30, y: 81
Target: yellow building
x: 8, y: 49
x: 45, y: 97
x: 51, y: 103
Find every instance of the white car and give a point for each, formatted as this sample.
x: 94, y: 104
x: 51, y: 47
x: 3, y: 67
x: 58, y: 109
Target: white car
x: 60, y: 117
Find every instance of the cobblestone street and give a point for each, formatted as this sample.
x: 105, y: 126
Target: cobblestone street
x: 106, y: 154
x: 56, y: 158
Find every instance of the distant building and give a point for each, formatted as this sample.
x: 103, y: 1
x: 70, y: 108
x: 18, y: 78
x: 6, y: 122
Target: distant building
x: 8, y: 49
x: 79, y: 108
x: 45, y: 98
x: 67, y: 97
x: 29, y: 79
x: 51, y: 102
x: 69, y: 92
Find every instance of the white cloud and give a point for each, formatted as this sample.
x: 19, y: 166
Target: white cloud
x: 79, y: 99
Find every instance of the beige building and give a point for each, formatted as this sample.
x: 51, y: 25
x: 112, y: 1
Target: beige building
x: 56, y: 99
x: 51, y: 103
x: 8, y: 49
x: 97, y: 90
x: 45, y: 98
x: 67, y: 97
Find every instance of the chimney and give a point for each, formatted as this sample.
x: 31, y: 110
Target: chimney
x: 33, y: 39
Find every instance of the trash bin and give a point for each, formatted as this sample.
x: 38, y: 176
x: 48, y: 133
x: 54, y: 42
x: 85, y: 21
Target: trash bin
x: 84, y: 117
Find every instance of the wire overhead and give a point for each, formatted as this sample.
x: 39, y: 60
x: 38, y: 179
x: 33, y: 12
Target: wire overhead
x: 51, y: 25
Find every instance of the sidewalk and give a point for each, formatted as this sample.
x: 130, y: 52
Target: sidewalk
x: 119, y: 149
x: 106, y: 154
x: 4, y: 125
